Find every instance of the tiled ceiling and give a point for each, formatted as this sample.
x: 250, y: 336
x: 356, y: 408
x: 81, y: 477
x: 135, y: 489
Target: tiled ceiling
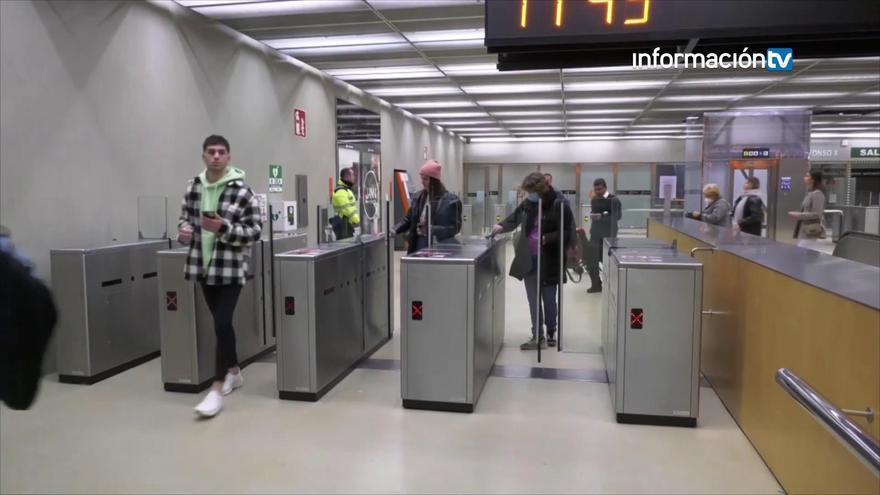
x: 427, y: 56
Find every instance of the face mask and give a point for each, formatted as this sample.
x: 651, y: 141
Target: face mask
x: 707, y: 201
x: 533, y: 197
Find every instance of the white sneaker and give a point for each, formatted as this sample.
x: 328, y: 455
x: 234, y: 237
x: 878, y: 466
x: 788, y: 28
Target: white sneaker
x: 232, y: 382
x: 210, y: 405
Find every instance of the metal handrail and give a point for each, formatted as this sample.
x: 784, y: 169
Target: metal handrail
x: 865, y: 448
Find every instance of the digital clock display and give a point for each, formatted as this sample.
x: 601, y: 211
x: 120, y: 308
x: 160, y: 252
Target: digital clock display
x: 531, y: 23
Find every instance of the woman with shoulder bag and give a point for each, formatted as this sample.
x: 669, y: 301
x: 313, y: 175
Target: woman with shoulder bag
x: 810, y: 224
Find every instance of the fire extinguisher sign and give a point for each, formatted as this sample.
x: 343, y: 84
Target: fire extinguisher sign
x: 299, y: 122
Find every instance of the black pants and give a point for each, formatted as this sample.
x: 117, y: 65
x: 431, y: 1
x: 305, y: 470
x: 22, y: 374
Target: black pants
x: 594, y: 256
x: 221, y: 301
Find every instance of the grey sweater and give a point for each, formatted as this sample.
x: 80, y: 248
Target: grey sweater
x: 717, y: 213
x: 812, y: 209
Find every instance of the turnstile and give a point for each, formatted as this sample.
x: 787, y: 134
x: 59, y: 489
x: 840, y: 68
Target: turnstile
x: 652, y: 348
x: 629, y: 244
x: 452, y: 326
x: 187, y: 327
x: 106, y: 298
x: 332, y: 312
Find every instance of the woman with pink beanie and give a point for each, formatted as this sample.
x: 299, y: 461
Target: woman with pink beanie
x: 445, y: 211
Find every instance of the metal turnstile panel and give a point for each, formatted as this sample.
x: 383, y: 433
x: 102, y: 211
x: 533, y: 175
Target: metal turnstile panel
x: 659, y: 365
x: 72, y: 334
x: 434, y: 362
x: 375, y: 294
x: 187, y: 327
x: 338, y: 318
x: 296, y: 321
x: 106, y: 296
x: 467, y: 220
x: 483, y: 327
x: 177, y: 321
x: 499, y: 295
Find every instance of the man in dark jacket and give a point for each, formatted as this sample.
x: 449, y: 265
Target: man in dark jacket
x: 556, y: 218
x: 445, y: 211
x: 605, y: 212
x: 27, y: 317
x: 748, y: 209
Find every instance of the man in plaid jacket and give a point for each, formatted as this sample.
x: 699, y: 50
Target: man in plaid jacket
x: 219, y: 221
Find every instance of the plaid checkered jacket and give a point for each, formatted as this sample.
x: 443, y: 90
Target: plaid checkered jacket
x: 241, y: 215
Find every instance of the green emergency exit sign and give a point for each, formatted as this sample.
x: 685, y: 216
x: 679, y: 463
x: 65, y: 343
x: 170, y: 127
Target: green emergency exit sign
x: 864, y: 153
x: 274, y: 171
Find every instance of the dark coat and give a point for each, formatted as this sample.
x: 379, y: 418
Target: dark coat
x: 445, y: 218
x: 27, y: 318
x: 525, y: 216
x: 606, y: 225
x: 753, y: 214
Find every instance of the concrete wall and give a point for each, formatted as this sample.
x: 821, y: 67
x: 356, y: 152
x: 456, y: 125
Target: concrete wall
x: 107, y: 101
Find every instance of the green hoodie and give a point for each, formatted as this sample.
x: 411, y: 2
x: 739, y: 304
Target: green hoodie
x: 211, y: 193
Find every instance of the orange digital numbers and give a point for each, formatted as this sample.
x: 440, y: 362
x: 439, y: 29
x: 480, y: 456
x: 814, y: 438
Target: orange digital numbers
x: 609, y: 12
x: 609, y: 9
x: 645, y: 13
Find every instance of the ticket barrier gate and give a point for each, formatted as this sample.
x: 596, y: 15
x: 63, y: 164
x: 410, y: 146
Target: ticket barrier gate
x: 332, y: 312
x: 187, y: 327
x: 106, y: 306
x: 651, y: 334
x: 452, y: 298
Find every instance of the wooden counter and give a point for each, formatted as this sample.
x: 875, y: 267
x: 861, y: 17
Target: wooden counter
x: 769, y: 320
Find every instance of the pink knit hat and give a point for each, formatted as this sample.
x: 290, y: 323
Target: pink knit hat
x: 430, y: 169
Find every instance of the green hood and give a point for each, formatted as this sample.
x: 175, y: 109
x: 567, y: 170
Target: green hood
x: 211, y: 193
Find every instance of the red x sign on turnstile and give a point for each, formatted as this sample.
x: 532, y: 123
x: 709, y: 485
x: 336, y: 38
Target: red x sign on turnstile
x: 171, y: 301
x: 636, y: 318
x: 417, y: 310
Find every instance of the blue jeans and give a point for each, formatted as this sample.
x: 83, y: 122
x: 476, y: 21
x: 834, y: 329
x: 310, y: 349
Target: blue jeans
x: 548, y: 298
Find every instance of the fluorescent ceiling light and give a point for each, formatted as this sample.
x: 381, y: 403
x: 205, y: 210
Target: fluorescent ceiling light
x: 607, y: 100
x: 476, y: 129
x: 258, y: 8
x: 837, y: 79
x: 853, y: 105
x: 347, y: 50
x: 374, y: 73
x: 595, y: 127
x: 464, y: 122
x: 526, y: 113
x: 589, y: 132
x: 773, y: 107
x: 702, y: 97
x: 409, y: 4
x: 532, y: 121
x: 333, y: 41
x: 613, y: 85
x: 688, y: 109
x: 535, y: 128
x: 794, y: 96
x: 453, y: 115
x: 611, y: 68
x: 599, y: 121
x: 446, y: 35
x: 727, y: 81
x: 609, y: 111
x: 660, y: 126
x: 523, y: 102
x: 655, y: 131
x: 483, y: 89
x: 835, y: 129
x: 845, y: 135
x: 448, y: 45
x: 436, y: 104
x: 413, y: 90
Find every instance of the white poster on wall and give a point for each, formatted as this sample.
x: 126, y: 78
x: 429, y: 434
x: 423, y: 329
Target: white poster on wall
x: 668, y: 180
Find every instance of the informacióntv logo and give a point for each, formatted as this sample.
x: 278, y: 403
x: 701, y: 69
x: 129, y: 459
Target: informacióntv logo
x: 775, y: 59
x: 780, y: 59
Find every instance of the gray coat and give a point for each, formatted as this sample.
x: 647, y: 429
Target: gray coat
x: 812, y: 212
x: 717, y: 213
